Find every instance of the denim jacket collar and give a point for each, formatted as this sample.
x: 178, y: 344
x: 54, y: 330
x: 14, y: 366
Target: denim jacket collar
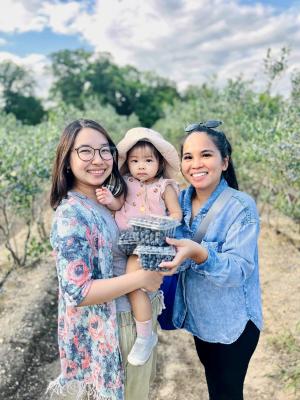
x: 187, y: 202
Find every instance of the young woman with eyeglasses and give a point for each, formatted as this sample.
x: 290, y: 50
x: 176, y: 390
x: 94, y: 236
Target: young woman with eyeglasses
x: 218, y: 294
x: 84, y: 239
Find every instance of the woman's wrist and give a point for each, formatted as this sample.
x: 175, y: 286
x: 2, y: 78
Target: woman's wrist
x: 200, y: 254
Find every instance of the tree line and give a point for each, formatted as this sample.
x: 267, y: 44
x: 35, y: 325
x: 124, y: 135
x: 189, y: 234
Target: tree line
x: 79, y: 75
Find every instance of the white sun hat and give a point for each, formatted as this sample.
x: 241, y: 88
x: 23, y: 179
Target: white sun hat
x: 166, y: 149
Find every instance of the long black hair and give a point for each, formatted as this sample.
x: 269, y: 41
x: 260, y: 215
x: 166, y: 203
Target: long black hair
x: 222, y: 143
x: 62, y: 176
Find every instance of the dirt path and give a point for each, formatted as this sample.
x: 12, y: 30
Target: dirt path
x: 180, y: 376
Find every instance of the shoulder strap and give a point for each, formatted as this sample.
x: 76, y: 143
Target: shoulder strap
x: 217, y: 206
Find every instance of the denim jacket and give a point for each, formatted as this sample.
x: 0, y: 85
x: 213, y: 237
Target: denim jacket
x: 215, y: 299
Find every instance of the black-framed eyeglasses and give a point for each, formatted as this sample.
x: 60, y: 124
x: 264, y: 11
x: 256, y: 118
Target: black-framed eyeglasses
x: 87, y: 153
x: 207, y: 125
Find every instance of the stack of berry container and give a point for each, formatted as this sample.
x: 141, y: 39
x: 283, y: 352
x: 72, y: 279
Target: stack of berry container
x: 150, y: 233
x: 127, y: 242
x: 151, y: 256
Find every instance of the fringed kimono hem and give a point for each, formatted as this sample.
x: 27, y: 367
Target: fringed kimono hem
x: 79, y: 391
x: 162, y: 302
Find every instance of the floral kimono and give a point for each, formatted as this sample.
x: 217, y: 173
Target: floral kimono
x: 87, y: 336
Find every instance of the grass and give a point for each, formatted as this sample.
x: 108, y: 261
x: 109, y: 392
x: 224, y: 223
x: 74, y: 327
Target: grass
x: 287, y: 344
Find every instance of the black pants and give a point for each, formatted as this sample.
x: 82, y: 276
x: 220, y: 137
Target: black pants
x: 226, y: 364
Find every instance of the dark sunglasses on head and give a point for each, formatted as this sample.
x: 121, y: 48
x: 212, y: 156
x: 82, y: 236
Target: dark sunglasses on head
x: 198, y: 126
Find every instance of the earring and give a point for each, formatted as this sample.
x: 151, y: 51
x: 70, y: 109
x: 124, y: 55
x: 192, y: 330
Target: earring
x: 68, y: 169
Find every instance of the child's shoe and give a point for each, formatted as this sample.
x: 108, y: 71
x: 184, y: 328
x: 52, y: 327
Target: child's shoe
x: 142, y: 349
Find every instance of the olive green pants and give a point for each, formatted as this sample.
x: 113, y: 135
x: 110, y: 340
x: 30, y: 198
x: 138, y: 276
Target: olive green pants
x: 137, y: 379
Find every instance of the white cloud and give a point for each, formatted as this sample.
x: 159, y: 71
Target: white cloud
x: 18, y: 16
x: 62, y: 16
x: 33, y: 15
x: 190, y: 40
x: 36, y: 63
x: 185, y: 40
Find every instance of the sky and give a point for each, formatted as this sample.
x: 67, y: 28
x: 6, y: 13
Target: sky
x: 187, y: 41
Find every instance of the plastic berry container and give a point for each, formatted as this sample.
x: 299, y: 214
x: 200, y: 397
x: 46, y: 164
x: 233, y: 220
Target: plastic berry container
x: 151, y: 256
x: 152, y: 230
x: 126, y: 242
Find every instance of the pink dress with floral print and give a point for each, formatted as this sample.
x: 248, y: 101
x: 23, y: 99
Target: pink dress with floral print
x: 143, y: 199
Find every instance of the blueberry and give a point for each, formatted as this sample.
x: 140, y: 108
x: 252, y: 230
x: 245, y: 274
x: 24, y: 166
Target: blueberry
x: 152, y: 259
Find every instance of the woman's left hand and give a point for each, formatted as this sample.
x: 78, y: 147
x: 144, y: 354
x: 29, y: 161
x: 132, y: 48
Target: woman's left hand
x: 186, y: 248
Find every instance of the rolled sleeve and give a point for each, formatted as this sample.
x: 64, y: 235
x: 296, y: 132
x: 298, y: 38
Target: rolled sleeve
x: 231, y: 263
x: 184, y: 265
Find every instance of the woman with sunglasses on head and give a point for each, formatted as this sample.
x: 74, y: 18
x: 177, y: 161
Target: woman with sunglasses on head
x: 218, y: 294
x: 84, y: 239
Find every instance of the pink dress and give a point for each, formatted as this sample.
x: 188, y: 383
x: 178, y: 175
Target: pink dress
x: 143, y: 199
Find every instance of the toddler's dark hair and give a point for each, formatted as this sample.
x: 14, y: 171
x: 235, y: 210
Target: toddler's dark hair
x: 143, y: 144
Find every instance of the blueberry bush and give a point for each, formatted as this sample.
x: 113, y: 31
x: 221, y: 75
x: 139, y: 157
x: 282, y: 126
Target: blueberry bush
x: 264, y: 131
x: 26, y: 156
x: 263, y: 128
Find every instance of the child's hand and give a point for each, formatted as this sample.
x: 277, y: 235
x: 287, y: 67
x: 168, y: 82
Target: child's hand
x: 104, y: 196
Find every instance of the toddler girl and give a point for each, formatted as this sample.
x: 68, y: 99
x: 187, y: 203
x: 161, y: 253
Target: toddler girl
x: 149, y: 165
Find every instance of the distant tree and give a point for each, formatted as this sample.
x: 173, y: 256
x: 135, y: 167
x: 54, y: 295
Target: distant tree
x: 14, y: 78
x: 70, y: 69
x: 27, y: 109
x: 18, y: 97
x: 80, y: 75
x: 274, y: 67
x: 155, y: 93
x: 108, y: 83
x: 131, y: 91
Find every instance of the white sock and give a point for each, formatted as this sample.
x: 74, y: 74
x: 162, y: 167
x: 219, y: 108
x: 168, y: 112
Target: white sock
x: 143, y: 328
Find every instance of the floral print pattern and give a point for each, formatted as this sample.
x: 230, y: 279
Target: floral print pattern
x: 87, y: 336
